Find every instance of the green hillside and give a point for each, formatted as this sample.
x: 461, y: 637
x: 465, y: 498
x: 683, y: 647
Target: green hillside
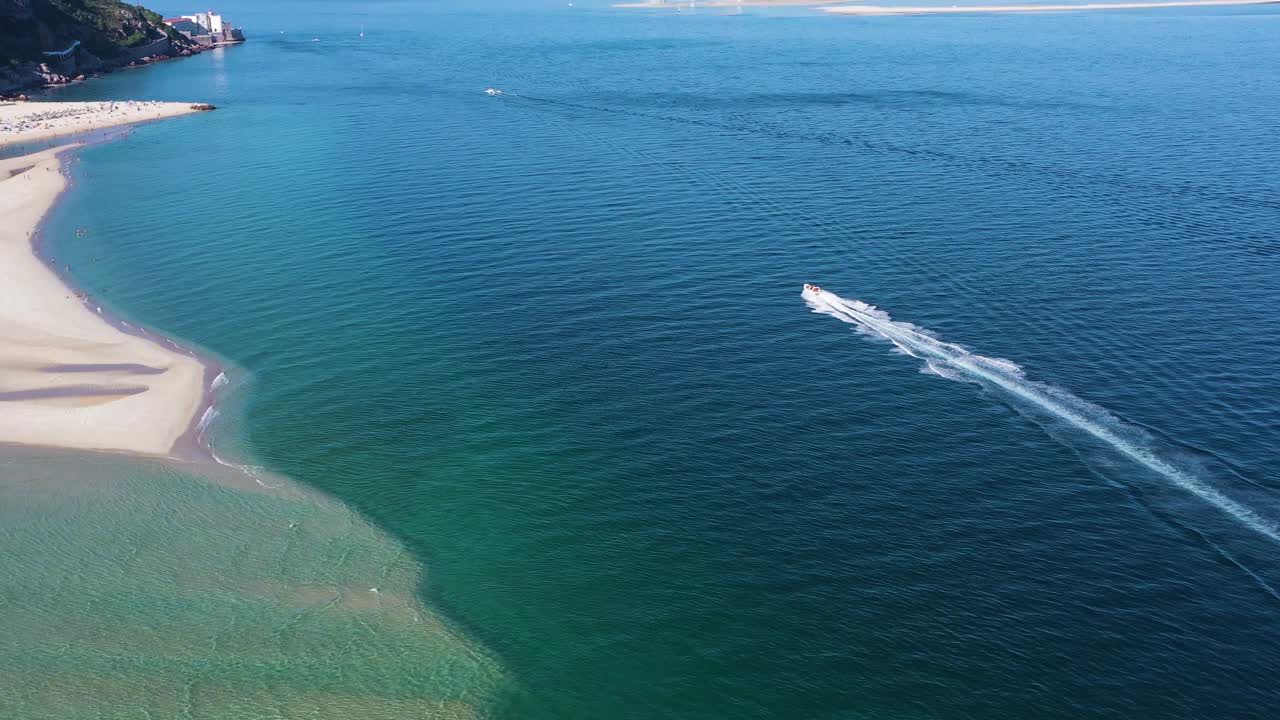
x: 103, y: 27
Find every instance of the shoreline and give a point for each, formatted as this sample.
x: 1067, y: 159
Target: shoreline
x: 79, y: 378
x: 189, y: 446
x: 200, y: 560
x: 33, y: 121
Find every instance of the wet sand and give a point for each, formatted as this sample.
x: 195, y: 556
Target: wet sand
x: 68, y: 377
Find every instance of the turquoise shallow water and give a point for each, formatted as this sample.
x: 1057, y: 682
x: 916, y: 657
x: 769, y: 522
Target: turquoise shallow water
x: 552, y: 343
x: 137, y: 590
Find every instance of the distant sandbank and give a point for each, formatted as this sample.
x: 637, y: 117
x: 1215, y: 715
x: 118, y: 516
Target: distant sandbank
x: 938, y: 9
x: 69, y: 378
x: 727, y: 3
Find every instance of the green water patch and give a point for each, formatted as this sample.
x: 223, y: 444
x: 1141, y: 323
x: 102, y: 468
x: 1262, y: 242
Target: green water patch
x: 136, y: 589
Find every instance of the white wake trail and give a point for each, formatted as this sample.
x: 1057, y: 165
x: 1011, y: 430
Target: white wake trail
x: 954, y: 362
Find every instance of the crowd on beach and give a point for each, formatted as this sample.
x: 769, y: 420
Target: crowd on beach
x: 48, y: 119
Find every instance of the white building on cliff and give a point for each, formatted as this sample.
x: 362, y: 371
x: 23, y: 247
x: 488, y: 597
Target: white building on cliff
x: 206, y: 28
x: 210, y: 21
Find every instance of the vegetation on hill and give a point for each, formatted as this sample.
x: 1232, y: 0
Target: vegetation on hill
x: 103, y: 27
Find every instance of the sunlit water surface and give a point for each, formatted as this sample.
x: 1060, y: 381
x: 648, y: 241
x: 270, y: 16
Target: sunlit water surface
x: 551, y: 345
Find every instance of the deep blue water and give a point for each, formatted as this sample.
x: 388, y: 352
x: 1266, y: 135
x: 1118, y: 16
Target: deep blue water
x: 554, y: 341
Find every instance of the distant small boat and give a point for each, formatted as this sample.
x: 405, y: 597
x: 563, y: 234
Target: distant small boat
x: 315, y: 39
x: 492, y: 92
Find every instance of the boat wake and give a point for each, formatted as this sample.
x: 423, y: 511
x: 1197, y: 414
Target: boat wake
x: 1058, y: 408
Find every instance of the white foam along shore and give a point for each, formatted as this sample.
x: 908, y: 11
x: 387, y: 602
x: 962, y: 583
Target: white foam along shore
x: 69, y: 378
x: 941, y: 9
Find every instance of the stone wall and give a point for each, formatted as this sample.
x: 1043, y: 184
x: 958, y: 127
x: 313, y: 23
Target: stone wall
x: 65, y: 65
x: 163, y: 46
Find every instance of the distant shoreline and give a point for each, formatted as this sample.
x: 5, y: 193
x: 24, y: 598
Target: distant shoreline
x: 935, y: 9
x: 69, y: 377
x: 941, y: 9
x: 728, y: 4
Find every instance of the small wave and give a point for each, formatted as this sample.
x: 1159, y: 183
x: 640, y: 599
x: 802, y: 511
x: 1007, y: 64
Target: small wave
x: 1063, y: 408
x: 255, y: 472
x: 206, y: 420
x: 211, y: 413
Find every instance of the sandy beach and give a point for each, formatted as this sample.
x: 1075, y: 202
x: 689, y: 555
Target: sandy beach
x: 34, y: 121
x: 938, y: 9
x: 69, y: 378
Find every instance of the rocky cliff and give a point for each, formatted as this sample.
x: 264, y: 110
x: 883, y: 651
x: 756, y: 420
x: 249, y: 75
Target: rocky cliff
x: 106, y: 30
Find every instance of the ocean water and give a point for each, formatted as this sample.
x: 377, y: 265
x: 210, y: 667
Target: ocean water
x: 542, y: 359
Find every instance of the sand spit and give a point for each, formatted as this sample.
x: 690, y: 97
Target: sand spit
x: 152, y: 589
x: 34, y: 121
x: 938, y: 9
x: 69, y: 378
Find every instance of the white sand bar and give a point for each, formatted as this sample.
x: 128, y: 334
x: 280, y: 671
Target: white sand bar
x: 935, y: 9
x: 724, y: 3
x: 68, y: 378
